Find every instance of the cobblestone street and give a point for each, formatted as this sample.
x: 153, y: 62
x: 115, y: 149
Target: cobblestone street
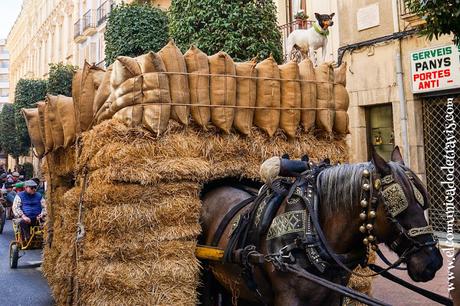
x: 397, y: 295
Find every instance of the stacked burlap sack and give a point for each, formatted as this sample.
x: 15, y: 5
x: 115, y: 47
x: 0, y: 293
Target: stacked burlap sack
x: 51, y: 125
x: 154, y: 88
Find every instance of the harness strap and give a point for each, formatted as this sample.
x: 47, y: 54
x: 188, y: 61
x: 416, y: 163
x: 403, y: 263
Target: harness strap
x: 428, y: 294
x: 299, y: 272
x: 228, y: 217
x: 322, y: 237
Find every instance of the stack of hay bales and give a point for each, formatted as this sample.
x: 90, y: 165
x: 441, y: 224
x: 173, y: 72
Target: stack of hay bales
x: 135, y: 175
x: 141, y: 205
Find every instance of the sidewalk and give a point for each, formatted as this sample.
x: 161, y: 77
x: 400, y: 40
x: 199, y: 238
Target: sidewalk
x: 398, y: 295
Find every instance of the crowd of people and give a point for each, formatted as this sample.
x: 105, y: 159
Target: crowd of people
x: 22, y: 199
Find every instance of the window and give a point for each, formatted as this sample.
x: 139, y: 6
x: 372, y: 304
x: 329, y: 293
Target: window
x: 3, y: 92
x: 380, y: 134
x: 3, y: 78
x: 3, y: 50
x: 294, y: 6
x: 4, y: 63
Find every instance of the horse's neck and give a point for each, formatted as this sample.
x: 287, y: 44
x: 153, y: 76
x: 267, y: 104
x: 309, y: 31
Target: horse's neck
x: 341, y: 228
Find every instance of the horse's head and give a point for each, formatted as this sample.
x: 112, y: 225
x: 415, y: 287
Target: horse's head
x: 400, y: 220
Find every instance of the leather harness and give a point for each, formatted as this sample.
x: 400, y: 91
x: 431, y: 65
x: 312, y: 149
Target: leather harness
x: 245, y: 236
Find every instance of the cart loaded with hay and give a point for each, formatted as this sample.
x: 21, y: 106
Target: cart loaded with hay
x: 130, y: 155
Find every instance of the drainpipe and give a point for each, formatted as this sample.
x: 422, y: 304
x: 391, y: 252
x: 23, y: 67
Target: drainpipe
x: 400, y: 84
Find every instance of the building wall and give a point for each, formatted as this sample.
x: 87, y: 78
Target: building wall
x: 4, y: 74
x: 287, y: 8
x: 371, y: 78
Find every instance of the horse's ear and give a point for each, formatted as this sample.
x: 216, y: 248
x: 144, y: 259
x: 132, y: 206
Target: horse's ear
x: 285, y: 156
x: 396, y: 156
x: 379, y: 163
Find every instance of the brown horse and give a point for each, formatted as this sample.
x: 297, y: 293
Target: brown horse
x: 338, y: 189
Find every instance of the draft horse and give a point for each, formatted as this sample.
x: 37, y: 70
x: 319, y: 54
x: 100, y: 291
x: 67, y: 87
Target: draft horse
x: 358, y: 207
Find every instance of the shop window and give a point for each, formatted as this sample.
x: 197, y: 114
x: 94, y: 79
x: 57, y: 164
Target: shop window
x: 380, y: 134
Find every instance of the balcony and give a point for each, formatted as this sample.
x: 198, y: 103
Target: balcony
x: 78, y: 36
x: 287, y: 28
x: 412, y: 19
x: 103, y: 11
x: 89, y: 27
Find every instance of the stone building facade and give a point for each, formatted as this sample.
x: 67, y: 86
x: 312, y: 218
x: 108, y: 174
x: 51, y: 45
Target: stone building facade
x: 386, y: 61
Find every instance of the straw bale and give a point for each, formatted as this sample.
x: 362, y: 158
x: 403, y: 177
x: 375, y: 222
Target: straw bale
x: 191, y: 154
x: 62, y: 161
x: 120, y: 219
x: 154, y: 283
x: 137, y: 246
x: 340, y: 74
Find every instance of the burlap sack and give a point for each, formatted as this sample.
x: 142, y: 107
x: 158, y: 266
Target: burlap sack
x: 308, y: 89
x: 98, y: 77
x: 32, y: 120
x: 131, y: 115
x: 340, y: 74
x: 66, y: 111
x: 127, y: 94
x: 104, y: 112
x: 342, y: 101
x: 124, y: 68
x: 76, y: 87
x: 91, y: 76
x: 178, y: 83
x: 325, y: 115
x: 290, y: 98
x: 268, y: 96
x: 246, y: 94
x: 156, y: 102
x: 55, y: 121
x: 103, y: 92
x: 150, y: 62
x: 41, y: 122
x: 197, y: 63
x: 49, y: 145
x: 222, y: 89
x: 325, y: 94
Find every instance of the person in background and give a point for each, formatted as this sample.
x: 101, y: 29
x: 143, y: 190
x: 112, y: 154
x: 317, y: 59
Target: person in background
x: 3, y: 178
x: 41, y: 187
x: 16, y: 176
x: 9, y: 199
x: 30, y: 207
x: 19, y: 186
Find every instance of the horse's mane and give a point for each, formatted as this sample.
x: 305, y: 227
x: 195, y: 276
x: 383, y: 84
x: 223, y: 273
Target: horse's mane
x: 339, y: 187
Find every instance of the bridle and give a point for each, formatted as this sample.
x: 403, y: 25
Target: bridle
x: 376, y: 190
